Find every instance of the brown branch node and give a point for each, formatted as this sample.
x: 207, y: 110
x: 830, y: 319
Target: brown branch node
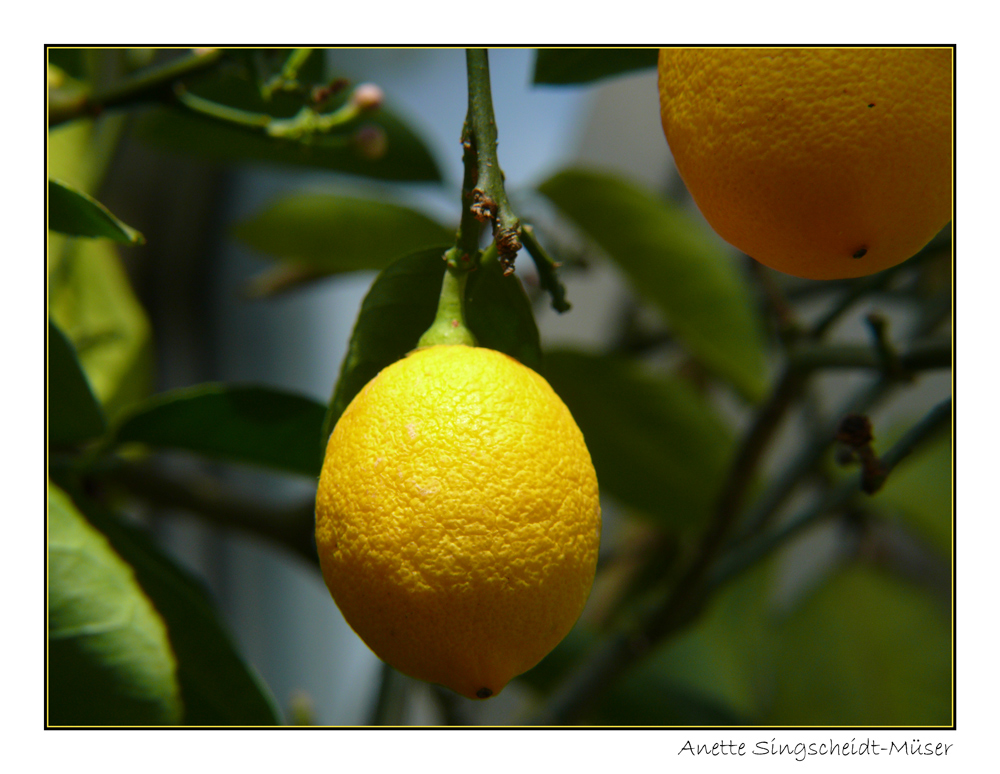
x: 855, y: 433
x: 508, y: 243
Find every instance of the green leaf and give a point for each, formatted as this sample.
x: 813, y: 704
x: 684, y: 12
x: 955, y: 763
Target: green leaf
x: 584, y: 65
x: 91, y: 300
x: 217, y: 686
x: 400, y: 306
x: 676, y: 264
x: 248, y: 424
x: 74, y: 413
x: 865, y: 650
x: 500, y: 313
x: 657, y: 445
x: 920, y: 491
x: 337, y: 233
x: 75, y: 213
x: 109, y: 661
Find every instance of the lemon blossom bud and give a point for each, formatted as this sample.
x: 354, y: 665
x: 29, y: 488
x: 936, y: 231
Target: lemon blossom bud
x: 368, y: 96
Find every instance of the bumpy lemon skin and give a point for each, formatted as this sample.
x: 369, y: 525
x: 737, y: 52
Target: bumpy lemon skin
x: 823, y: 163
x: 457, y: 518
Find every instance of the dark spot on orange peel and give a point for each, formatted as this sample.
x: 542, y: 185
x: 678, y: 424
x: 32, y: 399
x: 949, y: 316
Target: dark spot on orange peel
x: 484, y: 693
x: 860, y: 252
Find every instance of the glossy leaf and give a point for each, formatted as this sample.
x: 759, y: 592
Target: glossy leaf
x: 585, y: 65
x: 657, y: 445
x: 500, y: 314
x: 400, y: 306
x: 248, y: 424
x: 217, y: 686
x: 74, y: 213
x: 91, y: 300
x: 110, y: 661
x: 675, y: 263
x: 865, y: 650
x: 337, y: 233
x: 920, y: 491
x: 74, y: 413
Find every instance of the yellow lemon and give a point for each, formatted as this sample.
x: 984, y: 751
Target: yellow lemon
x: 457, y: 517
x: 824, y: 163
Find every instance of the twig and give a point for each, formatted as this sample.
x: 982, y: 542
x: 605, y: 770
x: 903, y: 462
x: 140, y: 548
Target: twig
x: 488, y: 197
x: 835, y: 499
x: 151, y: 84
x: 291, y: 528
x: 546, y: 267
x: 924, y: 355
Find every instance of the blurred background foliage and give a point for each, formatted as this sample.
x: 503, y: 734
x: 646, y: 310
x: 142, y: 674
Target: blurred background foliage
x: 745, y: 578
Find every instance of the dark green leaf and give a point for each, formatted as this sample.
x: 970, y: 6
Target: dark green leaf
x: 74, y: 413
x: 865, y: 650
x: 110, y: 661
x: 676, y: 264
x: 657, y: 445
x: 217, y: 686
x: 583, y: 65
x: 500, y: 314
x: 338, y: 233
x: 400, y: 306
x: 249, y: 424
x: 75, y: 213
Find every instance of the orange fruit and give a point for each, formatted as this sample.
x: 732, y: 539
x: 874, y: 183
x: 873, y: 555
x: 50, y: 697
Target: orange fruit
x: 457, y: 517
x: 823, y: 163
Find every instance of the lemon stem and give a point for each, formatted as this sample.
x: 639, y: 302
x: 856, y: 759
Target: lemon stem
x: 484, y: 200
x: 485, y: 195
x: 449, y: 323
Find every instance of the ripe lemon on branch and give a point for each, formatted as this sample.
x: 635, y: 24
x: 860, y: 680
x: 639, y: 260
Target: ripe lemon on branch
x: 823, y: 163
x: 457, y: 517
